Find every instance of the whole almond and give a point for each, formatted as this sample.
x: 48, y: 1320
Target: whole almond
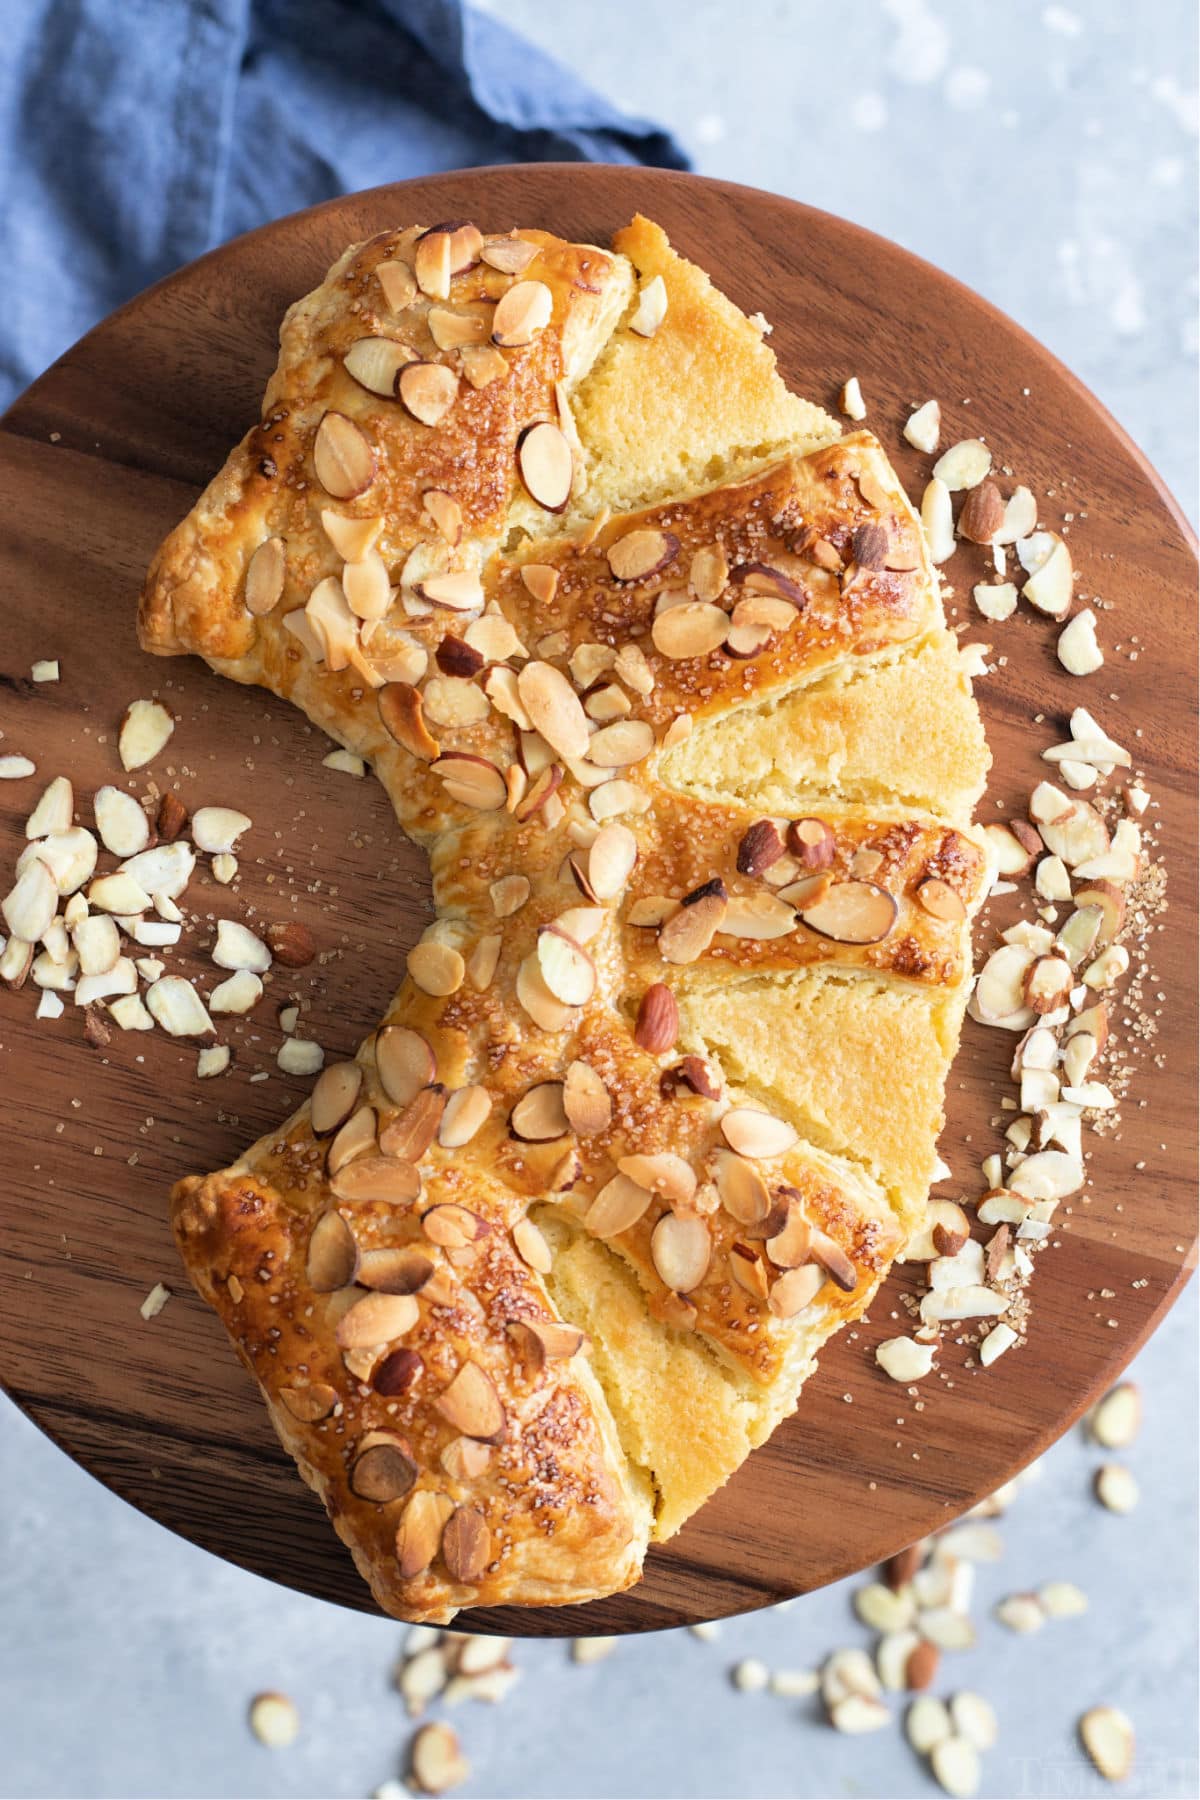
x: 658, y: 1020
x: 982, y: 513
x: 922, y: 1665
x: 694, y: 1074
x: 760, y: 848
x: 899, y: 1570
x: 291, y: 943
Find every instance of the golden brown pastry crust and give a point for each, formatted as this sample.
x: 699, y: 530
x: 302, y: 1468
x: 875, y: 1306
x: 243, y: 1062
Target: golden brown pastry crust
x: 484, y: 1451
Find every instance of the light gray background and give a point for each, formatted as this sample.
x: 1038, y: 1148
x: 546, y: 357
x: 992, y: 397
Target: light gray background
x: 1045, y: 154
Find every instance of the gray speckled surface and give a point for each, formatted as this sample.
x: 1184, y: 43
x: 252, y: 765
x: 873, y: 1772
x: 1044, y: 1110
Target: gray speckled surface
x: 1045, y: 154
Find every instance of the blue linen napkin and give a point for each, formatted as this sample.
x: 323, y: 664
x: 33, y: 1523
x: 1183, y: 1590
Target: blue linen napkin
x: 135, y: 134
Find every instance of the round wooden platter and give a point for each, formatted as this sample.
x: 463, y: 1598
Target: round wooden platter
x: 101, y: 457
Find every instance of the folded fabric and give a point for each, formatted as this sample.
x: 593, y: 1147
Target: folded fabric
x: 135, y: 134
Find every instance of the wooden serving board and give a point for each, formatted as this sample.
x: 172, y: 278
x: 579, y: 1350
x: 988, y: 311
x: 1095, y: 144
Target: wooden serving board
x: 99, y: 459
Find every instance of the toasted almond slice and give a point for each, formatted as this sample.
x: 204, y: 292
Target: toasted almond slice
x: 524, y: 311
x: 789, y: 1247
x: 482, y: 364
x: 332, y: 1256
x: 511, y: 255
x: 432, y: 264
x: 428, y: 390
x: 377, y: 1319
x: 586, y: 1101
x: 758, y: 917
x: 546, y: 465
x: 641, y: 553
x: 366, y: 586
x: 617, y: 1207
x: 541, y: 580
x: 409, y: 1135
x: 621, y: 744
x: 709, y: 572
x: 145, y: 728
x: 402, y: 712
x: 472, y: 780
x: 566, y: 968
x: 382, y: 1178
x: 417, y: 1539
x: 742, y: 1190
x: 177, y: 1007
x: 451, y: 330
x: 395, y: 1269
x: 436, y: 968
x: 852, y: 912
x: 466, y: 1551
x: 696, y: 628
x: 343, y: 457
x: 532, y: 1246
x: 309, y: 1401
x: 334, y: 1097
x: 460, y: 590
x: 539, y: 1116
x: 353, y: 539
x: 756, y: 1134
x: 533, y: 994
x: 356, y: 1136
x: 554, y: 709
x: 398, y: 282
x: 404, y: 1062
x: 681, y: 1249
x: 383, y: 1469
x: 472, y: 1405
x: 834, y: 1260
x: 663, y: 1172
x: 687, y: 934
x: 466, y: 1113
x: 941, y: 901
x: 611, y: 860
x: 375, y: 362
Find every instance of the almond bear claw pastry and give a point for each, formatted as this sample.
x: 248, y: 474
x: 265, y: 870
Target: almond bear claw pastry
x: 653, y: 663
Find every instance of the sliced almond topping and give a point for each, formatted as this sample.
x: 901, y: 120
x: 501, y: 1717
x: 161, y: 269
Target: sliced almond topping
x: 795, y: 1290
x: 709, y: 573
x: 941, y: 901
x: 395, y: 1269
x: 835, y: 1262
x: 436, y: 968
x: 334, y: 1097
x: 662, y: 1172
x: 343, y: 457
x: 143, y: 732
x: 524, y: 311
x: 375, y: 362
x: 453, y: 1227
x: 417, y: 1540
x: 566, y: 968
x: 410, y: 1134
x: 554, y: 709
x: 541, y: 580
x: 756, y: 1134
x: 511, y: 255
x: 681, y: 1249
x: 532, y: 1246
x: 535, y: 996
x: 332, y: 1259
x: 586, y: 1101
x: 611, y: 861
x: 619, y: 745
x: 451, y: 330
x: 748, y: 1271
x: 265, y: 575
x: 657, y: 1027
x: 853, y: 912
x: 376, y: 1178
x: 482, y: 364
x: 310, y: 1402
x: 758, y: 916
x: 539, y: 1115
x: 643, y: 552
x: 472, y: 1405
x: 790, y: 1246
x: 383, y: 1469
x: 398, y: 282
x: 742, y: 1189
x: 432, y: 264
x: 428, y: 390
x: 472, y: 781
x: 376, y: 1319
x: 546, y: 465
x: 617, y: 1207
x: 540, y: 792
x: 696, y: 628
x: 405, y: 1063
x: 466, y: 1544
x: 688, y: 933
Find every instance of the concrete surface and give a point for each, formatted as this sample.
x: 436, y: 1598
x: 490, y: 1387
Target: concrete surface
x: 1046, y: 155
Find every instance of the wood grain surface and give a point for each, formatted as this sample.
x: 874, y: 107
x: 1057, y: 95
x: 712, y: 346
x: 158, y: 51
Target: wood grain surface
x: 100, y: 458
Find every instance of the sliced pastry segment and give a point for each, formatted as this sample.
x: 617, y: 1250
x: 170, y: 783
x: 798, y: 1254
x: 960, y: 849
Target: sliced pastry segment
x: 654, y: 665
